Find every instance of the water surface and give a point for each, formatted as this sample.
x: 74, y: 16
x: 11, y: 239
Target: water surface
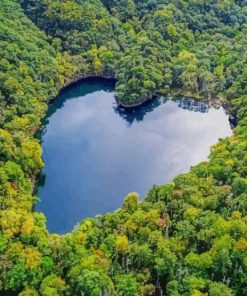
x: 96, y: 153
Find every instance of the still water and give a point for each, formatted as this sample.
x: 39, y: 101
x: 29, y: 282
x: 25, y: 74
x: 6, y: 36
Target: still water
x: 96, y: 153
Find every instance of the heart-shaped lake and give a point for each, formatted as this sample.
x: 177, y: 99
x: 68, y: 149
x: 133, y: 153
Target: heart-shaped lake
x: 96, y: 153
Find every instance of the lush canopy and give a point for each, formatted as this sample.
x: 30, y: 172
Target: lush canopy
x: 186, y: 238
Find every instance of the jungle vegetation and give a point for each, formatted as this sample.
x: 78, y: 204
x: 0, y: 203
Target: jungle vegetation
x: 186, y: 238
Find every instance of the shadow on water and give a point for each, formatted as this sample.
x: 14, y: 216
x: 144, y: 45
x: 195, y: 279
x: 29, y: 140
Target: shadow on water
x: 137, y: 114
x: 93, y: 84
x: 77, y: 90
x: 90, y: 85
x: 92, y: 143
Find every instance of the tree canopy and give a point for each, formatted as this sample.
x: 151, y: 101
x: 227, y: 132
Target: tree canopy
x: 186, y: 238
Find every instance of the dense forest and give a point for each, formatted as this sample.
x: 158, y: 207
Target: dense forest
x: 186, y: 238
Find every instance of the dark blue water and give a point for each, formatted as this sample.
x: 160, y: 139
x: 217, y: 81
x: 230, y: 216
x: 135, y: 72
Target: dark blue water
x: 96, y: 153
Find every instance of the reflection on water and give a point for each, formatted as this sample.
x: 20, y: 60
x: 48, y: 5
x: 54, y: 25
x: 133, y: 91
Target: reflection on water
x: 95, y: 153
x: 138, y: 114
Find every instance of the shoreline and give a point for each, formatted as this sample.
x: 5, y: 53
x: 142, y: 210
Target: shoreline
x: 215, y: 102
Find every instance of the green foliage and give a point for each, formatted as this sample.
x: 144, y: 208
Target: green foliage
x: 186, y: 238
x: 152, y: 47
